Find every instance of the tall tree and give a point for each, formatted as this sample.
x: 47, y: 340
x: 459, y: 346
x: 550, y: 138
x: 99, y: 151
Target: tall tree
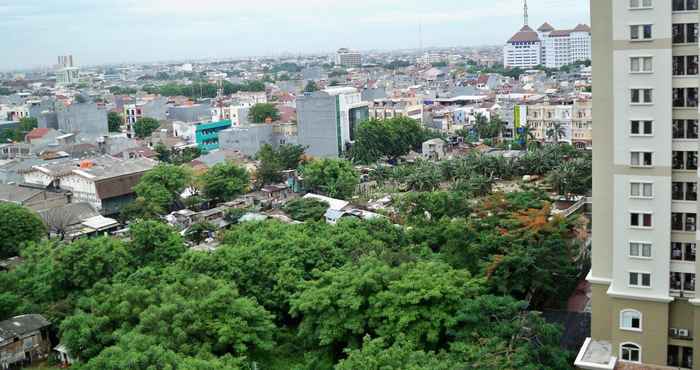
x: 261, y: 112
x: 391, y: 138
x: 311, y: 86
x: 18, y: 225
x: 145, y: 126
x: 274, y: 161
x: 331, y: 177
x: 225, y: 181
x: 160, y: 189
x: 114, y: 121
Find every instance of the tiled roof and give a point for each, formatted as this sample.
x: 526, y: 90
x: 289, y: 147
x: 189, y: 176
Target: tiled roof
x: 526, y: 34
x: 37, y: 133
x: 582, y: 28
x: 560, y: 33
x: 546, y: 27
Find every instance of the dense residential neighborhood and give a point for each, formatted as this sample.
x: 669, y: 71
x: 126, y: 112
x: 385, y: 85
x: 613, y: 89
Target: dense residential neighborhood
x: 420, y: 207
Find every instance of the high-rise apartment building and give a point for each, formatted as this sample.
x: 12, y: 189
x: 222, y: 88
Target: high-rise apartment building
x: 67, y: 73
x: 645, y: 309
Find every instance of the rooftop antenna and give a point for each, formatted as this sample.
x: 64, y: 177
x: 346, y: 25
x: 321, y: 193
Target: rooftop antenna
x: 420, y: 37
x: 525, y: 14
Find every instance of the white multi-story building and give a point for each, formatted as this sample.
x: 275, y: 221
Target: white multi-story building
x: 562, y: 47
x: 348, y: 58
x: 523, y: 50
x: 547, y: 46
x: 645, y: 307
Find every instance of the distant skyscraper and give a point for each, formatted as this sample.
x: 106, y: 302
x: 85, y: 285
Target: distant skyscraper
x: 67, y: 72
x: 348, y: 58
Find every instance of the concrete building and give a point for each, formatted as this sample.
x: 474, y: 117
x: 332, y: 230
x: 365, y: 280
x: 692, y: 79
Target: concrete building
x: 153, y: 108
x: 523, y: 50
x: 645, y: 308
x: 82, y: 118
x: 67, y: 72
x: 106, y: 182
x: 249, y: 139
x: 562, y: 47
x: 390, y: 108
x: 328, y: 119
x: 348, y: 58
x: 207, y: 134
x: 547, y: 46
x: 190, y: 113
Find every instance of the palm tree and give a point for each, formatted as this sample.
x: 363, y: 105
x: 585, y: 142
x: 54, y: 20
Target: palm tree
x: 528, y: 136
x: 481, y: 125
x: 557, y: 132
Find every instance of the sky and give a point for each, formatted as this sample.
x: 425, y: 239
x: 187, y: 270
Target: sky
x: 34, y: 32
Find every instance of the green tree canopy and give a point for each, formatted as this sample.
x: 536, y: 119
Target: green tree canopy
x: 114, y: 121
x: 18, y: 225
x: 261, y: 112
x: 311, y: 86
x: 225, y: 181
x: 274, y: 161
x: 390, y: 138
x: 335, y: 178
x: 306, y: 209
x: 145, y: 126
x: 159, y: 189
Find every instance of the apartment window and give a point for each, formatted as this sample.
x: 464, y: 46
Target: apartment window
x: 640, y: 279
x: 640, y: 250
x: 680, y: 357
x: 631, y: 320
x: 640, y: 4
x: 684, y: 191
x: 684, y: 160
x: 683, y: 5
x: 685, y: 65
x: 641, y: 96
x: 685, y: 129
x: 640, y: 65
x: 641, y: 159
x: 685, y: 97
x: 683, y: 252
x: 641, y: 190
x: 640, y: 220
x: 640, y: 32
x: 630, y: 352
x: 684, y: 222
x: 685, y: 33
x: 684, y: 282
x: 641, y: 128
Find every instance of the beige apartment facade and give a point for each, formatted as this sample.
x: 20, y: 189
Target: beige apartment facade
x: 645, y: 173
x: 573, y: 119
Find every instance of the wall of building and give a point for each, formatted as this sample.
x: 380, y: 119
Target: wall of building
x: 83, y: 118
x: 317, y: 114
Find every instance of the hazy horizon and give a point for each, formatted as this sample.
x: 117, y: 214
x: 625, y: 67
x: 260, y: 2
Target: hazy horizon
x: 113, y: 32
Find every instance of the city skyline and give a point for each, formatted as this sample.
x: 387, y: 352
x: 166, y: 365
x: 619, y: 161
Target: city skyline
x: 131, y: 31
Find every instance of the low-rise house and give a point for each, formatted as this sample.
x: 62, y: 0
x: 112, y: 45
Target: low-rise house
x: 34, y: 197
x: 106, y: 182
x: 76, y: 220
x: 435, y: 149
x: 23, y: 340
